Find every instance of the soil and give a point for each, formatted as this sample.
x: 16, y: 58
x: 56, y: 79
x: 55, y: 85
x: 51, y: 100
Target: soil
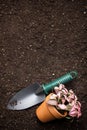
x: 41, y: 40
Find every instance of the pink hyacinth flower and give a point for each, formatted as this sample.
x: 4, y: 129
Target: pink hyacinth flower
x: 56, y: 89
x: 59, y: 94
x: 52, y: 102
x: 62, y: 106
x: 65, y: 91
x: 61, y: 86
x: 76, y: 110
x: 53, y: 96
x: 63, y: 100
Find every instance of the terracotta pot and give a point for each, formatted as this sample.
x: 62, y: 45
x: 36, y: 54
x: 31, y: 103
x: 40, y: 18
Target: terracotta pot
x: 46, y: 112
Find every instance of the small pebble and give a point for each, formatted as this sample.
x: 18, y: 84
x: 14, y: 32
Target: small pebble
x: 30, y: 45
x: 53, y: 74
x: 51, y: 41
x: 52, y: 25
x: 63, y: 13
x: 84, y: 12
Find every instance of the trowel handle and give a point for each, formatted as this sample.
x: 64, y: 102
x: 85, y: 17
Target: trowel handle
x: 61, y: 80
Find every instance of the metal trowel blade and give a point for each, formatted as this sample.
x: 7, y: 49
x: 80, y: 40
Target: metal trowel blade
x: 25, y: 98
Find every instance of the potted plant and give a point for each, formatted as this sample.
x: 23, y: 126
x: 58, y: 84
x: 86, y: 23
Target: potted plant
x: 59, y: 104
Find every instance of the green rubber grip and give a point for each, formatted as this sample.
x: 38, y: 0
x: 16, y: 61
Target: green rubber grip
x: 61, y: 80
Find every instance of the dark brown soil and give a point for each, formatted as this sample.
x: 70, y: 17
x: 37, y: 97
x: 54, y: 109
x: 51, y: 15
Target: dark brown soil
x: 41, y: 40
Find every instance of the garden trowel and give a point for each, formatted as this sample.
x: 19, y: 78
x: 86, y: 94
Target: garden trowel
x: 35, y: 93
